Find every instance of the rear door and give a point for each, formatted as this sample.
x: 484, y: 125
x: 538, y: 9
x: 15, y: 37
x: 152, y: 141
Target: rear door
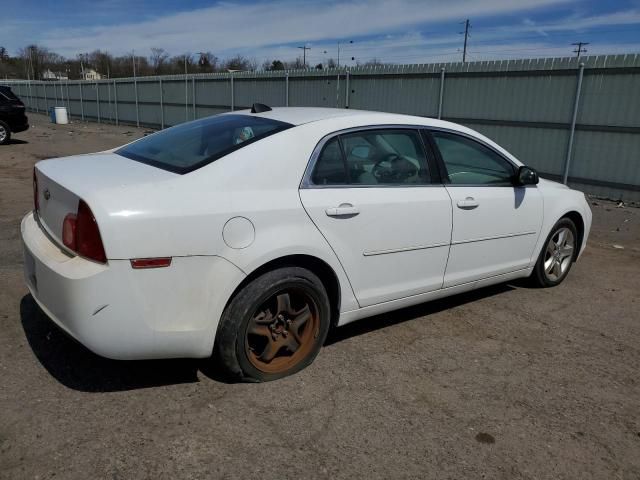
x: 495, y: 224
x: 376, y: 197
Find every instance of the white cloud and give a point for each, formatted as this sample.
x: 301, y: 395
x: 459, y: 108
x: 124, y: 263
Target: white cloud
x: 576, y: 23
x: 228, y: 27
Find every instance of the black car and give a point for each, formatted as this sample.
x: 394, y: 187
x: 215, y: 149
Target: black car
x: 12, y: 115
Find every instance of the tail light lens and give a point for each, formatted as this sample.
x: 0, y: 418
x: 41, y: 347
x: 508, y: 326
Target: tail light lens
x: 80, y: 233
x: 69, y: 231
x: 36, y: 203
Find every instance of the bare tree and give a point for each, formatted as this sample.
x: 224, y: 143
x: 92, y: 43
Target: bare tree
x: 158, y: 58
x: 374, y: 62
x: 101, y: 61
x: 238, y: 63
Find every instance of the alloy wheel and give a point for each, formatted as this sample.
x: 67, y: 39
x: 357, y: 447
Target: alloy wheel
x: 3, y: 134
x: 559, y: 254
x: 282, y: 331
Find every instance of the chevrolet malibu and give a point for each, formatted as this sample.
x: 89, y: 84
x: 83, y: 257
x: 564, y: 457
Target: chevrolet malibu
x: 246, y: 236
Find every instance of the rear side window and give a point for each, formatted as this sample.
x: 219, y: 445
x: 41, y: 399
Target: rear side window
x: 7, y: 94
x: 189, y: 146
x: 373, y: 157
x: 330, y: 169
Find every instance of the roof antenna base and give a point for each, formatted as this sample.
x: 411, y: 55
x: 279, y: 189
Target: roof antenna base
x: 260, y: 107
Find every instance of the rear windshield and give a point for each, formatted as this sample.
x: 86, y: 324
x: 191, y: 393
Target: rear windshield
x: 7, y: 93
x: 189, y: 146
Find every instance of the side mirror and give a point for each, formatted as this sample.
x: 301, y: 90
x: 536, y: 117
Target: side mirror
x: 526, y: 176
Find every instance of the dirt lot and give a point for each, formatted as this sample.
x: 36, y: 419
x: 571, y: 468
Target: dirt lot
x: 506, y: 382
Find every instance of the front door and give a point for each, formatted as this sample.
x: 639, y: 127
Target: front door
x: 495, y: 224
x: 372, y: 195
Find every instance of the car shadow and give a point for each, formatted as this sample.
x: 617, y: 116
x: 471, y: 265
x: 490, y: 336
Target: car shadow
x: 395, y: 317
x: 76, y: 367
x: 16, y: 141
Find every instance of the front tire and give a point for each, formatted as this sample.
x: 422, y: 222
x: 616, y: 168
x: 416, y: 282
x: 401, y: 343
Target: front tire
x: 274, y: 326
x: 557, y: 255
x: 5, y: 133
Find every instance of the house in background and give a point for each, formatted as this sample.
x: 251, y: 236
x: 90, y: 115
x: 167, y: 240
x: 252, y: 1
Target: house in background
x: 90, y: 74
x: 50, y: 75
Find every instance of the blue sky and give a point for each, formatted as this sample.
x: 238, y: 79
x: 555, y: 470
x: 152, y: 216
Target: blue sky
x: 397, y: 31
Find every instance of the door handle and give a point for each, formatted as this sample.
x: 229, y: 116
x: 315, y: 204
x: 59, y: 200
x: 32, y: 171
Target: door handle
x: 344, y: 210
x: 468, y: 203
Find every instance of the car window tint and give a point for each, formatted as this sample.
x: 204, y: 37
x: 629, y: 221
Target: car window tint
x: 385, y: 157
x: 191, y: 145
x: 471, y: 163
x: 330, y: 168
x: 7, y: 94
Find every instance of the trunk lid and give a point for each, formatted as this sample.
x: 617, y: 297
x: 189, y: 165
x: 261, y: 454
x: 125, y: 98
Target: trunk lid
x: 63, y: 182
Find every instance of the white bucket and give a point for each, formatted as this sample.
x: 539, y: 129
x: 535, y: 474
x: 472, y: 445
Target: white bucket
x: 61, y: 115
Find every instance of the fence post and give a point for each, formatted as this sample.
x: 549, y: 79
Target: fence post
x: 30, y: 95
x: 68, y: 100
x: 186, y: 98
x: 81, y: 101
x: 98, y: 101
x: 576, y: 103
x: 161, y: 105
x: 46, y: 100
x: 441, y: 93
x: 135, y: 88
x: 286, y: 89
x: 232, y: 95
x: 115, y: 99
x: 193, y: 95
x: 346, y: 97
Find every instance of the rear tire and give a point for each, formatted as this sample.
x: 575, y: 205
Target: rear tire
x: 273, y: 327
x: 557, y: 256
x: 5, y: 133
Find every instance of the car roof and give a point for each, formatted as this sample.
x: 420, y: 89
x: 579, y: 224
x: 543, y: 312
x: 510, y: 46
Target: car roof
x: 332, y: 119
x: 302, y: 115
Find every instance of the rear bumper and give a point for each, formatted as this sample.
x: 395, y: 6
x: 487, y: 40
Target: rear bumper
x: 20, y: 127
x: 18, y: 123
x: 126, y: 314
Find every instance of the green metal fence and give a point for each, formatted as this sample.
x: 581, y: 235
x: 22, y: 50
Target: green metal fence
x: 570, y: 120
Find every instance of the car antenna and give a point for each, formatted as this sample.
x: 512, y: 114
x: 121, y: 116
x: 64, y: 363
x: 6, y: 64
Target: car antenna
x: 259, y: 108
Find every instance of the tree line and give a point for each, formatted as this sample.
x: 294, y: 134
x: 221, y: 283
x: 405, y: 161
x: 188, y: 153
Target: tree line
x: 37, y: 63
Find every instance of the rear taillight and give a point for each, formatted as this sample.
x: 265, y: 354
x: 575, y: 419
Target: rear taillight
x: 80, y: 233
x: 36, y: 204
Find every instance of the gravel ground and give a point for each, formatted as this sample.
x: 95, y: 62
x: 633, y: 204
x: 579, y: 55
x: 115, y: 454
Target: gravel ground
x: 505, y: 382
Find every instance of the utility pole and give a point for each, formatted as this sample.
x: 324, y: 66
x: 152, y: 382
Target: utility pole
x: 304, y: 55
x: 467, y: 26
x: 580, y: 48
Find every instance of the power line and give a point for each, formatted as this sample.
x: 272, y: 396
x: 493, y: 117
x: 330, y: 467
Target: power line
x: 579, y: 50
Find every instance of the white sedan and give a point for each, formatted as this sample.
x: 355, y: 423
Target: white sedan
x: 246, y: 236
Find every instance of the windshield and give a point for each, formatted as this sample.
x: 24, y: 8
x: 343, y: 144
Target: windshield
x: 189, y: 146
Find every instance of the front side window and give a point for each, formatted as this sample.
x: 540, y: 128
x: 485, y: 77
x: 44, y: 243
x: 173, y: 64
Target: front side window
x: 471, y: 163
x: 189, y: 146
x: 373, y: 157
